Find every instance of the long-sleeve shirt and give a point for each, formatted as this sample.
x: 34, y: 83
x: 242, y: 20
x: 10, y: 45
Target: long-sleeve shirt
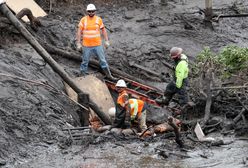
x: 181, y: 70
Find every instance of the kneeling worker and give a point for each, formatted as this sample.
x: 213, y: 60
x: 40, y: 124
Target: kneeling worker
x: 137, y: 111
x: 120, y: 113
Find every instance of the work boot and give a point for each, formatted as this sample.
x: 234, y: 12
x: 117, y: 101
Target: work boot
x: 108, y: 74
x: 162, y: 101
x: 83, y: 73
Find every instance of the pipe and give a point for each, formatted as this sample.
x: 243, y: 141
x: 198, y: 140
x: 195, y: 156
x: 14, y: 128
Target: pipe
x: 46, y: 56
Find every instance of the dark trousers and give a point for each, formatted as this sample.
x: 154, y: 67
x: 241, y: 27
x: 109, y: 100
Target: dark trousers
x: 171, y: 90
x: 120, y: 116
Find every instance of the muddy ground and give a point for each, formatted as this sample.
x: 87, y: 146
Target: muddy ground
x: 32, y: 116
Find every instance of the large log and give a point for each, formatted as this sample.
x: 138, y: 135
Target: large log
x: 46, y: 56
x: 93, y: 63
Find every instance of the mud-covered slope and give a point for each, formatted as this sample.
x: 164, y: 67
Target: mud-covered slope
x: 32, y: 115
x: 144, y: 31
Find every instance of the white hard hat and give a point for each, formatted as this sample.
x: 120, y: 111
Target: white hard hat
x: 111, y: 112
x: 91, y: 7
x: 2, y: 1
x: 175, y: 52
x: 121, y: 83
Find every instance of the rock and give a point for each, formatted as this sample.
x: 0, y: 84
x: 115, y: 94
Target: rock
x: 3, y: 162
x: 116, y: 131
x: 129, y: 131
x: 128, y: 16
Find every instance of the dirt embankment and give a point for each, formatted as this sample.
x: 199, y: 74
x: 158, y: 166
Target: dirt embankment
x: 32, y: 115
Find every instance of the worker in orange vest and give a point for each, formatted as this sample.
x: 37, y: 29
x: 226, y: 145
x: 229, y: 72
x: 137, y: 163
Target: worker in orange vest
x: 137, y: 112
x: 120, y: 112
x: 89, y: 30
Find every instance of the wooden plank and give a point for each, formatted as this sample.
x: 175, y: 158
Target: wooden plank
x: 18, y: 5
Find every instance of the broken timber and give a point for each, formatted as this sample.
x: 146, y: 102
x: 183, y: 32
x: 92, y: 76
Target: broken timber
x: 176, y: 131
x: 46, y: 56
x: 77, y: 133
x: 34, y: 22
x: 132, y: 63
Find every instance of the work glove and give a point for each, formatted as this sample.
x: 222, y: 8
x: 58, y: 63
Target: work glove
x: 131, y: 123
x: 79, y: 47
x: 107, y: 44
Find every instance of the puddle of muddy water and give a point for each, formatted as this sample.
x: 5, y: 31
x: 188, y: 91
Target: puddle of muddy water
x: 228, y: 156
x: 137, y: 154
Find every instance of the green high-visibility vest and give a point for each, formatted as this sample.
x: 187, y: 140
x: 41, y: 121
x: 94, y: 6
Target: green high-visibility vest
x: 181, y: 71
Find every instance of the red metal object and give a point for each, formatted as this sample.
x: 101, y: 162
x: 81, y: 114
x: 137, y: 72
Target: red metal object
x: 139, y: 91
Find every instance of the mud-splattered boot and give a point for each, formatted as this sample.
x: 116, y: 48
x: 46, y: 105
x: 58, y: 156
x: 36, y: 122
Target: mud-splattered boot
x: 163, y: 101
x: 108, y: 74
x: 83, y: 73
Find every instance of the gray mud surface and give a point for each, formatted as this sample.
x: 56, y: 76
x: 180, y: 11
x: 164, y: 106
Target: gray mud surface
x: 32, y: 114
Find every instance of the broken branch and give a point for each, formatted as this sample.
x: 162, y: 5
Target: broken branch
x: 176, y: 130
x: 34, y: 22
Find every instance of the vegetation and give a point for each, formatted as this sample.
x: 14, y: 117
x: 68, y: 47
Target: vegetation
x: 231, y: 60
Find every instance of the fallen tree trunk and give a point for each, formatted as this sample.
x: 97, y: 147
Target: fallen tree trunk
x: 46, y: 56
x: 76, y: 56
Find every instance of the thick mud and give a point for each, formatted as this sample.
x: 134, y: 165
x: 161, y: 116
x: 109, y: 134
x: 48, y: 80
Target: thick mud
x: 136, y: 154
x: 32, y: 114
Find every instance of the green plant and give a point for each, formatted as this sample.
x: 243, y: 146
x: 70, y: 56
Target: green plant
x: 231, y: 60
x: 203, y: 58
x: 205, y: 55
x: 234, y: 58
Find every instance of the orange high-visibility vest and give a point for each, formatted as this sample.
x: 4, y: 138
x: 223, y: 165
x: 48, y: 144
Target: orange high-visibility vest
x: 123, y: 96
x: 90, y: 28
x: 135, y: 108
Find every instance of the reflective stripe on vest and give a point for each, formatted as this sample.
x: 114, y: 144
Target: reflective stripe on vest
x: 91, y: 33
x: 133, y: 108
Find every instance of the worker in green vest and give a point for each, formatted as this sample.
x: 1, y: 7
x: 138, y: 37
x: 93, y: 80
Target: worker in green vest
x: 180, y: 82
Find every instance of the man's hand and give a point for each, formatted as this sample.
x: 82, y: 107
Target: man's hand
x: 79, y: 47
x: 107, y: 44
